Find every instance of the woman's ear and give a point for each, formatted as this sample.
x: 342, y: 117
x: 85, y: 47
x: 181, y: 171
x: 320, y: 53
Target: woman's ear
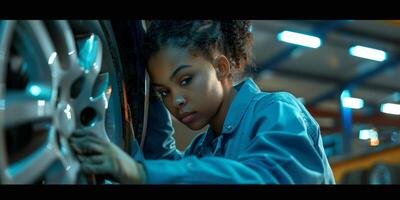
x: 222, y: 66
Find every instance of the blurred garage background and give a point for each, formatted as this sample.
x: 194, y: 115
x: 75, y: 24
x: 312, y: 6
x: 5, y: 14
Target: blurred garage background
x: 59, y: 76
x: 347, y: 74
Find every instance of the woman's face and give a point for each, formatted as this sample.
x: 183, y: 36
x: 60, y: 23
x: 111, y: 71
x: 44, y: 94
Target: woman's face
x: 188, y: 85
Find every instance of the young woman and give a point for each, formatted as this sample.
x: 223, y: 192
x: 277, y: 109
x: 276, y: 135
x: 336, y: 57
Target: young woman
x: 197, y: 69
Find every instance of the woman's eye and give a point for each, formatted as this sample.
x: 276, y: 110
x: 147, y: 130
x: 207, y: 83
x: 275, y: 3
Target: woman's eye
x: 163, y: 93
x: 186, y: 81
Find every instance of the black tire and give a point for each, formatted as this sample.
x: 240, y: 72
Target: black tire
x: 129, y: 37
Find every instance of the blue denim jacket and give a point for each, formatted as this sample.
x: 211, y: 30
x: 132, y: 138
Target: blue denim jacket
x: 267, y: 138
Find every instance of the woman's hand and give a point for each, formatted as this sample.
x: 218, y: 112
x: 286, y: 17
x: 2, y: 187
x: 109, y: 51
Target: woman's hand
x: 100, y: 157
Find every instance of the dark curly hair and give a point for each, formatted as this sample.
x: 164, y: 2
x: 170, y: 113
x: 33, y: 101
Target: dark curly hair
x: 232, y: 38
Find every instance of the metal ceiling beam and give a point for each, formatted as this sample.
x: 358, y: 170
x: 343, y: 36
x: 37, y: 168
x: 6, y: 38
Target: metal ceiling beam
x: 357, y: 80
x: 361, y: 35
x: 320, y: 30
x: 377, y: 118
x: 294, y: 74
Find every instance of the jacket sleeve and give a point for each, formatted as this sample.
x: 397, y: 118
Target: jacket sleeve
x: 159, y: 141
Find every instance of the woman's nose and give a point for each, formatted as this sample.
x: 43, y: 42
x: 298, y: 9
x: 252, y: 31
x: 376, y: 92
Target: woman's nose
x: 179, y: 101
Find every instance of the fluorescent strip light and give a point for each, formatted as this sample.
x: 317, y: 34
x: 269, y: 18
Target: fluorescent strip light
x: 366, y: 134
x: 354, y: 103
x: 368, y: 53
x: 391, y: 108
x: 299, y: 39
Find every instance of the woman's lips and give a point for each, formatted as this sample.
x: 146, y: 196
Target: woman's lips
x: 188, y: 118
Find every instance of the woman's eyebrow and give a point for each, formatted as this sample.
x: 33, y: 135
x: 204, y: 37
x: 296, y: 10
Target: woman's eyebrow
x: 177, y: 70
x: 156, y: 84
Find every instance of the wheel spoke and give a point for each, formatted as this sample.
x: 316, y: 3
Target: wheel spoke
x: 90, y: 54
x: 65, y: 170
x: 21, y: 108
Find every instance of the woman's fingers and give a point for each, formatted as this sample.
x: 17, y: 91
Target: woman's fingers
x: 91, y: 168
x: 96, y: 156
x: 80, y: 133
x: 94, y: 159
x: 87, y: 144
